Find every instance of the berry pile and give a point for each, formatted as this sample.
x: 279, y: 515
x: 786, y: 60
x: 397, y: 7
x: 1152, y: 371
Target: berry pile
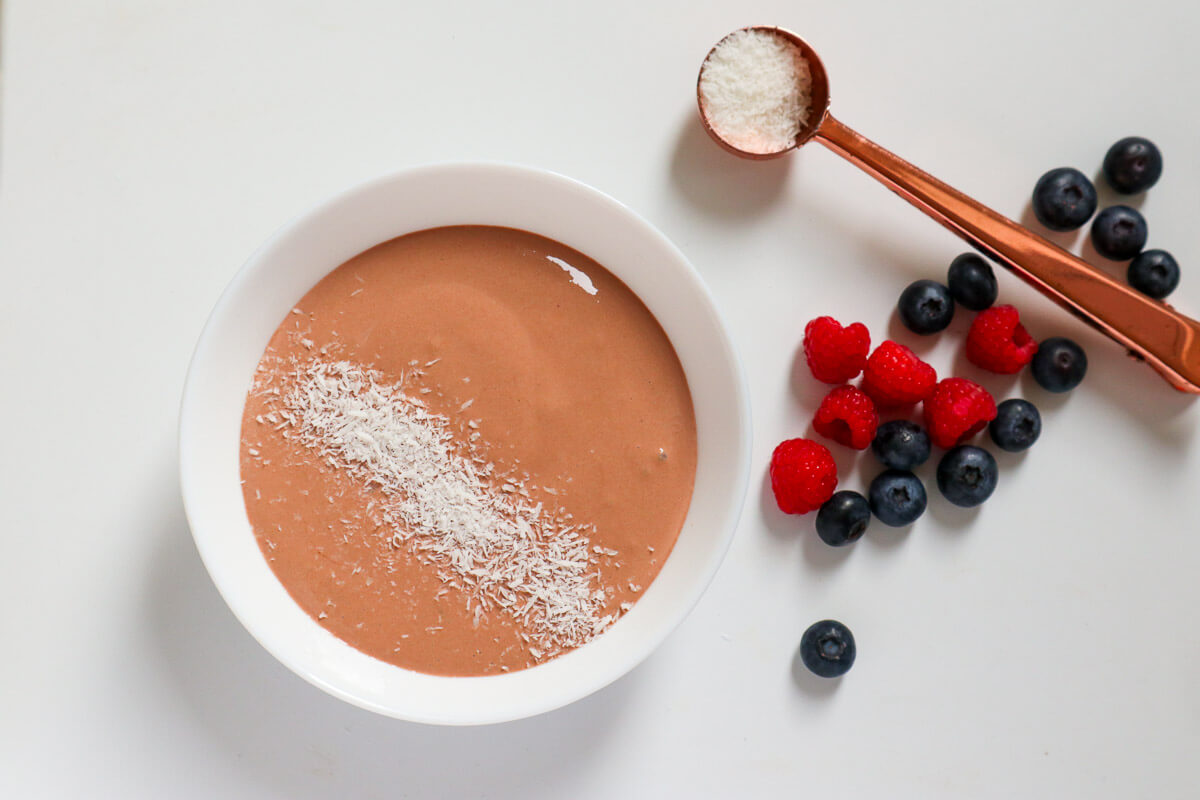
x: 1064, y: 200
x: 894, y: 381
x: 954, y: 409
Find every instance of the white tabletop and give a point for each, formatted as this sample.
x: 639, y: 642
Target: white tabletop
x: 1045, y: 645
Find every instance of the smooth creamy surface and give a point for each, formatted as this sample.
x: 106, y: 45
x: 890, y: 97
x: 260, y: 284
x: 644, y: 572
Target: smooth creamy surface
x: 564, y: 374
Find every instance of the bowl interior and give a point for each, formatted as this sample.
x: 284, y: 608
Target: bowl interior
x: 288, y: 265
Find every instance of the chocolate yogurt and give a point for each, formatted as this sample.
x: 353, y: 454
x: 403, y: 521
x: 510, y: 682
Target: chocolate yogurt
x: 468, y: 450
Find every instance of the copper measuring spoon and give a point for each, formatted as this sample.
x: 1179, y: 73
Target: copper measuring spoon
x: 1150, y: 329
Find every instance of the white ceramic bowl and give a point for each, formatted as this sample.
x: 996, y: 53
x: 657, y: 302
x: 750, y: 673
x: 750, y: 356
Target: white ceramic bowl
x: 287, y: 266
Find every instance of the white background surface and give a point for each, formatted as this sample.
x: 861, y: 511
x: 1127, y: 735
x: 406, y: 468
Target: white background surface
x: 1043, y: 646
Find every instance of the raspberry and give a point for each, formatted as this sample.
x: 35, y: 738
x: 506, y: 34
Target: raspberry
x: 957, y: 410
x: 803, y: 475
x: 847, y: 416
x: 998, y: 342
x: 835, y: 354
x: 894, y: 376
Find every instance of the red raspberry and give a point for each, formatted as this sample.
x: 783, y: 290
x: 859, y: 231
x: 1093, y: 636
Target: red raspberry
x: 957, y: 410
x: 803, y: 475
x: 894, y: 376
x: 835, y: 354
x: 999, y: 342
x: 847, y: 416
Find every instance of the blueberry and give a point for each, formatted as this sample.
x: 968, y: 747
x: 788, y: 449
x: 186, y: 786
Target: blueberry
x: 897, y: 497
x: 1154, y: 273
x: 972, y: 282
x: 1059, y: 364
x: 1017, y: 425
x: 1132, y: 165
x: 1119, y: 232
x: 967, y: 475
x: 827, y: 648
x: 926, y: 307
x: 1064, y: 199
x: 843, y: 518
x: 901, y: 444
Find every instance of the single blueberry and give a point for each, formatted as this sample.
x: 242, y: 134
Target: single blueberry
x: 827, y: 648
x: 1154, y: 273
x: 843, y: 518
x: 1132, y: 165
x: 1119, y: 232
x: 897, y: 497
x: 967, y: 475
x: 1017, y: 425
x: 1059, y: 364
x: 1064, y: 199
x: 926, y: 307
x: 901, y: 444
x: 971, y: 281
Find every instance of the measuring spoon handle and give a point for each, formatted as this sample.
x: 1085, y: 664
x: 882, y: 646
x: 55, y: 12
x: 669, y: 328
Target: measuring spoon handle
x: 1150, y: 329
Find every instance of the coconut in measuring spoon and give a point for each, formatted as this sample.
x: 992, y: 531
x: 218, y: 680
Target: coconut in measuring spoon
x: 755, y: 92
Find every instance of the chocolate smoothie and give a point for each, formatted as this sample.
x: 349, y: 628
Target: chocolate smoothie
x: 468, y: 450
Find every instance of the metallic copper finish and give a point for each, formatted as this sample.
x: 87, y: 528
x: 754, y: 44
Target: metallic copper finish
x: 1166, y: 339
x: 1150, y: 329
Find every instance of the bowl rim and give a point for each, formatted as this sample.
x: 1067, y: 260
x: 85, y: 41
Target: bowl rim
x: 190, y: 427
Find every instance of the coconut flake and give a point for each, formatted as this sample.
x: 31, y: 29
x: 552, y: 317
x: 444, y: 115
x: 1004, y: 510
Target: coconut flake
x: 482, y: 534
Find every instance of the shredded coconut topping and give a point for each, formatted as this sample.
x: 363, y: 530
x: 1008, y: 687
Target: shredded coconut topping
x: 482, y: 531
